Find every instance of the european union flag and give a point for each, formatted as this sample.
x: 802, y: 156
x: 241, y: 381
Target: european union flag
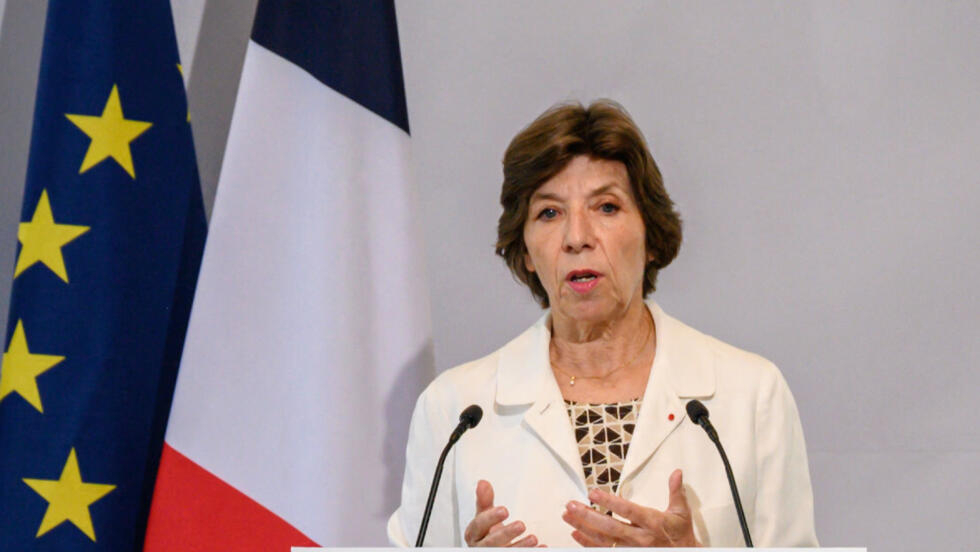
x: 110, y: 241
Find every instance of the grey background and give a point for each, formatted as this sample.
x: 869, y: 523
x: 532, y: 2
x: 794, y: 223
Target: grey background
x: 823, y: 155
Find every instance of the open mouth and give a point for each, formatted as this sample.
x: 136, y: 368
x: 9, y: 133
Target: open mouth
x: 582, y: 281
x: 582, y: 276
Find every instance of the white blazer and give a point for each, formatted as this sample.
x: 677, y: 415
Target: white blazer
x: 525, y: 447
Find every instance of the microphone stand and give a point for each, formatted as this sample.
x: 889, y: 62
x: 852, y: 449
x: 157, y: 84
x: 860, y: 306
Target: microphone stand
x: 699, y: 415
x: 432, y: 493
x: 468, y: 419
x: 731, y: 483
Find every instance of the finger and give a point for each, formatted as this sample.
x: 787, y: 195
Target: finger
x: 677, y: 503
x: 483, y: 522
x: 503, y: 535
x: 599, y: 526
x: 484, y: 496
x: 484, y: 500
x: 636, y: 514
x: 588, y: 541
x: 529, y: 541
x: 594, y: 539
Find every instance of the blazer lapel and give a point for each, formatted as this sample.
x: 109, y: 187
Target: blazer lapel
x: 654, y: 422
x: 683, y: 368
x: 549, y: 421
x: 524, y: 378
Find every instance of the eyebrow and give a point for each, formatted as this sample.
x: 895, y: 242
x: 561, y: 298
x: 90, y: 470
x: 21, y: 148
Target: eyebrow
x: 555, y: 197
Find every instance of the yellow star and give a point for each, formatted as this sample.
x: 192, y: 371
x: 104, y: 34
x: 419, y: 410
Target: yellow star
x: 110, y: 134
x: 42, y: 240
x: 68, y: 498
x: 20, y: 368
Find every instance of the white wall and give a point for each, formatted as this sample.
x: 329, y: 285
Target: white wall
x: 823, y: 156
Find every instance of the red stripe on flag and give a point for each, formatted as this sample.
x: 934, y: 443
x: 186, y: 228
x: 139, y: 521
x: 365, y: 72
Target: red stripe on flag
x: 195, y: 510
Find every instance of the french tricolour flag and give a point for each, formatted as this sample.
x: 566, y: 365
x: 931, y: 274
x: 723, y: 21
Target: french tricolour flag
x: 309, y: 335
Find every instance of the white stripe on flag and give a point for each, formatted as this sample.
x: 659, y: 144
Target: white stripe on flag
x: 309, y: 336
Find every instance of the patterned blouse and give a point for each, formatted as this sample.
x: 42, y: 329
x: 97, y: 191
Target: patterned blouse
x: 603, y: 433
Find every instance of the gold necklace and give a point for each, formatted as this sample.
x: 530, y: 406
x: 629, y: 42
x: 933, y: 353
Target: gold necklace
x: 571, y: 380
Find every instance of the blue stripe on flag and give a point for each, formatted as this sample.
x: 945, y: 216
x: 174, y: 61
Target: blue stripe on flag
x: 350, y: 46
x: 110, y: 241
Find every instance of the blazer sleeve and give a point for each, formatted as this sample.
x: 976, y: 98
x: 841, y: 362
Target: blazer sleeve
x: 428, y: 433
x: 784, y: 498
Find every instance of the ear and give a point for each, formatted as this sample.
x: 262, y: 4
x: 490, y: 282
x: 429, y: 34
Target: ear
x: 651, y: 257
x: 527, y: 262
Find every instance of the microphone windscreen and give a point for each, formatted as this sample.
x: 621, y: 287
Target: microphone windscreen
x: 696, y: 411
x: 471, y: 416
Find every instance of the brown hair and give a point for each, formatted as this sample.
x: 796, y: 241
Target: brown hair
x: 604, y: 130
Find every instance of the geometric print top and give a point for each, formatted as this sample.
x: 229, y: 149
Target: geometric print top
x: 603, y: 433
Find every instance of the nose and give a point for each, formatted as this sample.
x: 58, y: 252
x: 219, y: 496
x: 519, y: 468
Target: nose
x: 579, y: 232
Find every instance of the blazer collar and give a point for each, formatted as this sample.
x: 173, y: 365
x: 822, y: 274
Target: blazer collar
x: 524, y: 367
x: 682, y: 360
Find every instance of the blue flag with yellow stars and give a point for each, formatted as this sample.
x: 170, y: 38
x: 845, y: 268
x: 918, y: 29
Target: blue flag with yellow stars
x: 109, y: 245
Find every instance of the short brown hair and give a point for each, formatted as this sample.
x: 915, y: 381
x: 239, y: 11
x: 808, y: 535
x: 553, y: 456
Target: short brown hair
x: 604, y: 130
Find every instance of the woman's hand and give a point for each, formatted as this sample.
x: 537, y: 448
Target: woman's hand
x: 488, y: 529
x: 646, y: 527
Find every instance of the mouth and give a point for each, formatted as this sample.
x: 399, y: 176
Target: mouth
x: 583, y: 281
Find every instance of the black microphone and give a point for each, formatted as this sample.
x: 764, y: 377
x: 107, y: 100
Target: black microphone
x: 699, y: 415
x: 468, y: 419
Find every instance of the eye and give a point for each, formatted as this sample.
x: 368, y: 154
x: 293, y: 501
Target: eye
x: 609, y: 208
x: 547, y: 213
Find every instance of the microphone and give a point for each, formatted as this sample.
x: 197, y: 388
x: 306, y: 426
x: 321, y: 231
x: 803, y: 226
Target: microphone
x: 699, y: 415
x: 468, y: 419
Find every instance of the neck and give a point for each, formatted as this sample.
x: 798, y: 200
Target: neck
x: 593, y: 350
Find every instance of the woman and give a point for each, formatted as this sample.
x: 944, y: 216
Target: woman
x: 584, y: 438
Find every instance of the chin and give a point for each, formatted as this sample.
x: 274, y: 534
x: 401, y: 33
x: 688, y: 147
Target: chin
x: 589, y: 309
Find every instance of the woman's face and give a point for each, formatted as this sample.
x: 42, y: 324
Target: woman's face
x: 586, y: 240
